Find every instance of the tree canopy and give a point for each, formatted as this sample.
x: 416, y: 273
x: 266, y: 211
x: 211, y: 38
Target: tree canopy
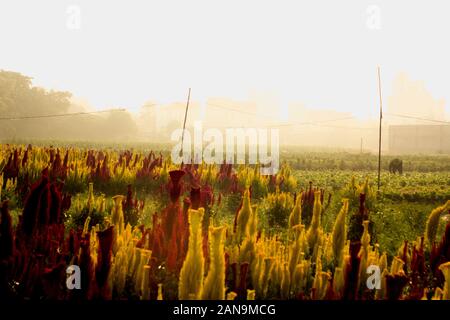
x: 19, y: 98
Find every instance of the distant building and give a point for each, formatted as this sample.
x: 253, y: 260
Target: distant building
x: 421, y: 139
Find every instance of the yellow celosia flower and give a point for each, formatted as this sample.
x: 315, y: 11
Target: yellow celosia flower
x: 191, y: 274
x: 383, y: 261
x: 297, y: 247
x: 243, y: 217
x: 214, y: 285
x: 445, y: 268
x: 91, y: 199
x: 141, y: 269
x: 339, y: 233
x: 266, y: 270
x: 438, y: 294
x: 397, y: 266
x: 365, y: 238
x: 252, y: 224
x: 433, y: 222
x: 425, y: 295
x: 295, y: 218
x: 338, y: 282
x: 364, y: 252
x: 312, y: 234
x: 86, y: 226
x: 160, y: 295
x: 285, y: 281
x: 117, y: 218
x: 231, y: 295
x: 145, y: 286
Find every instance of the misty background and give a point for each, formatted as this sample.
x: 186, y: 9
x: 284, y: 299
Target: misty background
x: 308, y: 69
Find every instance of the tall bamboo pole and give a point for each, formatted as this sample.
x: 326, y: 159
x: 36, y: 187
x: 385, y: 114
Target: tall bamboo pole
x: 379, y: 136
x: 184, y: 124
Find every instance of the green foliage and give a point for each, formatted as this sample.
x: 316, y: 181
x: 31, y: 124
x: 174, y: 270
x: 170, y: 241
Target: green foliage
x: 300, y: 158
x: 276, y: 208
x: 397, y: 221
x: 77, y: 219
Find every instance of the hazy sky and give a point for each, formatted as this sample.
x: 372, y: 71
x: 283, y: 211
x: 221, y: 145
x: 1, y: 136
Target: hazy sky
x: 320, y: 53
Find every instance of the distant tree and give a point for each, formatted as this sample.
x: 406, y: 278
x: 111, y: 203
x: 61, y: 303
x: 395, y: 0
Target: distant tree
x: 120, y: 125
x: 19, y: 98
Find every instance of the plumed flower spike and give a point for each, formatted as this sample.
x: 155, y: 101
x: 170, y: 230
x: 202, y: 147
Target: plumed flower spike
x: 105, y: 240
x: 214, y: 286
x: 252, y: 225
x: 313, y: 232
x: 91, y: 199
x: 397, y: 266
x: 195, y: 197
x: 365, y: 238
x: 174, y: 185
x: 231, y: 295
x: 339, y: 233
x: 433, y: 223
x: 160, y: 294
x: 117, y: 218
x: 250, y: 294
x: 243, y: 216
x: 445, y: 268
x: 191, y: 274
x: 338, y: 282
x: 295, y: 217
x: 6, y: 232
x: 32, y: 204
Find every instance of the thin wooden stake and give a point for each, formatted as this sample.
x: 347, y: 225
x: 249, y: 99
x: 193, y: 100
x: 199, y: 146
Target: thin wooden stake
x: 184, y: 124
x: 379, y: 137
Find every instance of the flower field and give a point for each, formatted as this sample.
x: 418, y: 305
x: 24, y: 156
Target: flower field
x: 139, y: 227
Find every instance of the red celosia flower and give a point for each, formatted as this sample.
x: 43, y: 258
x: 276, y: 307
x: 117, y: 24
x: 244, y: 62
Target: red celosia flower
x: 418, y: 272
x: 174, y: 184
x: 105, y: 239
x: 32, y: 202
x: 242, y: 287
x: 351, y: 272
x: 195, y: 197
x: 395, y: 285
x: 6, y: 233
x: 440, y: 253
